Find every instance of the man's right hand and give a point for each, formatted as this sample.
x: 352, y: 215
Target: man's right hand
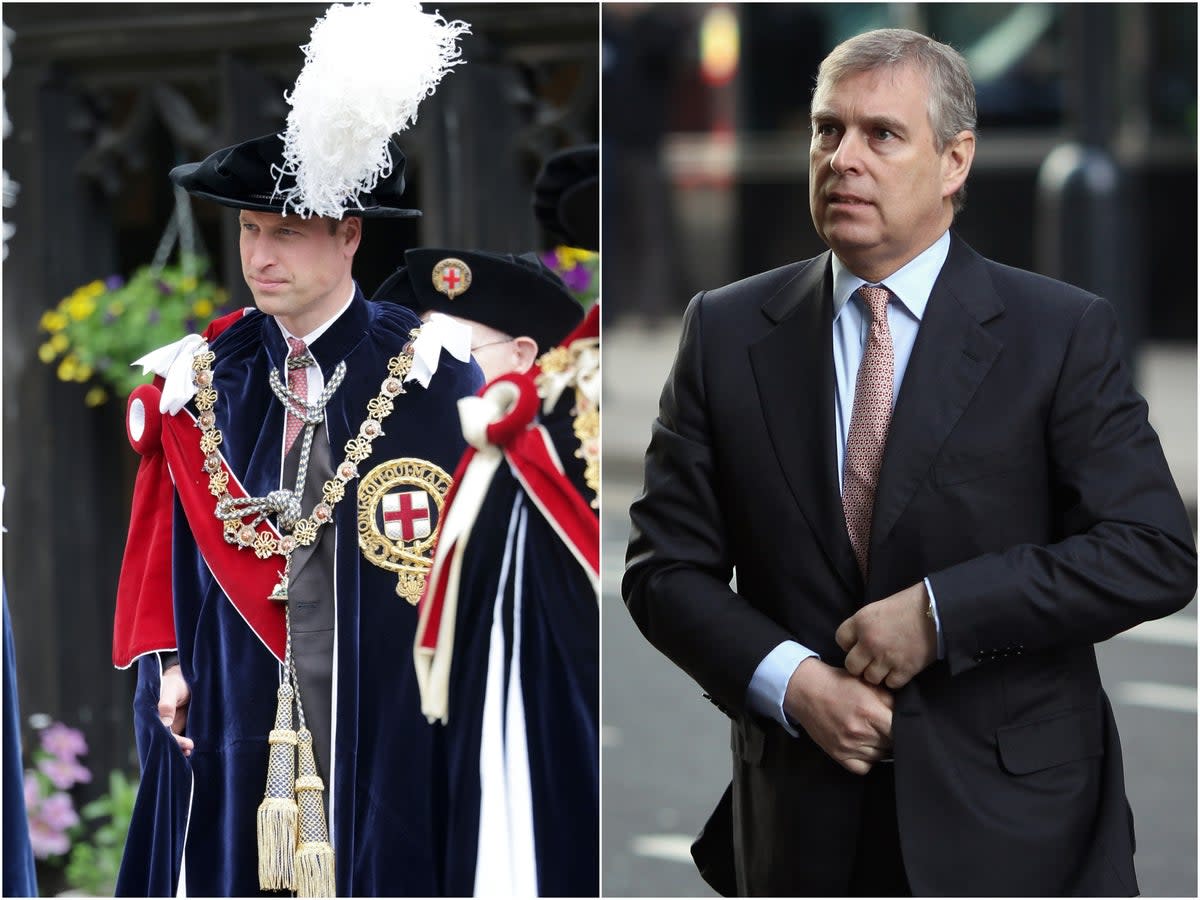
x: 173, y: 697
x: 847, y: 718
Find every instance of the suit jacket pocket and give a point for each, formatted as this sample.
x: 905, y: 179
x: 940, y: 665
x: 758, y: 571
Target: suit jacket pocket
x: 1032, y: 746
x: 957, y: 468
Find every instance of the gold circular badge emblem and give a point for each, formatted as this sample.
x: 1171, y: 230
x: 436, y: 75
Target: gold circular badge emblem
x: 399, y: 514
x: 451, y: 277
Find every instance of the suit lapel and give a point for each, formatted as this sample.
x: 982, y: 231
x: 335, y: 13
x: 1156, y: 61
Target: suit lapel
x: 952, y: 354
x: 793, y: 371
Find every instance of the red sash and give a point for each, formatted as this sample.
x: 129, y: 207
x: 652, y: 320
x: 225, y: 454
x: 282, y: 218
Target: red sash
x: 170, y: 449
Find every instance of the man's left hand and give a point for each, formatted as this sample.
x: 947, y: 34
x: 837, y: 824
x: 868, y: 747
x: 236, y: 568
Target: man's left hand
x: 891, y: 640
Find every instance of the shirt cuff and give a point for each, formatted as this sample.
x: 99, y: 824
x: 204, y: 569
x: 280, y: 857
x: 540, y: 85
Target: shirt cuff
x: 937, y: 623
x: 768, y: 686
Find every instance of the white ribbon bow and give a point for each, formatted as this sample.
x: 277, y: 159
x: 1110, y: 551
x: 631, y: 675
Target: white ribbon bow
x: 174, y: 363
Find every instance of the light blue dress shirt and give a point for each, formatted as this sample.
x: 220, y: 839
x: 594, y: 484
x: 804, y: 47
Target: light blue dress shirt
x: 910, y: 287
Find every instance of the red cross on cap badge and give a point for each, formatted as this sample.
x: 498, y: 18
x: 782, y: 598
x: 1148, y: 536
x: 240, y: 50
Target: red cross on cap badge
x: 451, y: 277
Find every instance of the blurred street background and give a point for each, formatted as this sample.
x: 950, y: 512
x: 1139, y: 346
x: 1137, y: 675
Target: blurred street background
x: 1085, y: 171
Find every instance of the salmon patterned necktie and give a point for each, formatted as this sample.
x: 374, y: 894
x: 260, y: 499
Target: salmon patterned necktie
x: 298, y: 382
x: 868, y: 424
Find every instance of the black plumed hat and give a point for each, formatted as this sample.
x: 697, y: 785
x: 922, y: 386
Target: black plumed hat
x: 566, y: 196
x: 246, y: 176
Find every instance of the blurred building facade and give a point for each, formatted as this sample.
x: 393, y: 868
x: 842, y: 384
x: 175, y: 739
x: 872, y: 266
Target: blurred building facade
x: 104, y: 99
x: 1114, y: 83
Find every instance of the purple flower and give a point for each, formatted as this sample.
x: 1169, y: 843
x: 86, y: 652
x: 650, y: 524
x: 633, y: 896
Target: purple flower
x: 63, y: 742
x: 577, y: 279
x: 163, y: 287
x: 59, y: 812
x: 64, y: 773
x: 550, y: 260
x: 152, y: 317
x: 114, y: 282
x: 45, y: 840
x: 33, y: 790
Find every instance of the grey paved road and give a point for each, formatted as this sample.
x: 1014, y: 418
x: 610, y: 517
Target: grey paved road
x: 665, y: 759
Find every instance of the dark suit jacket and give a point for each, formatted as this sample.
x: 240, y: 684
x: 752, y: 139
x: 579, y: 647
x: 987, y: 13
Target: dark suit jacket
x: 1020, y: 475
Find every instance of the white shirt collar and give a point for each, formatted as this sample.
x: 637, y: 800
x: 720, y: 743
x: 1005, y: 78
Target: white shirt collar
x: 320, y: 329
x: 911, y: 284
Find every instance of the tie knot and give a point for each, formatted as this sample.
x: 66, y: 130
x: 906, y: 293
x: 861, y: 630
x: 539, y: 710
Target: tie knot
x: 298, y: 346
x: 877, y: 300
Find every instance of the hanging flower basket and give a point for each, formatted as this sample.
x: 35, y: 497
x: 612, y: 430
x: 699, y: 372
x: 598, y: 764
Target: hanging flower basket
x: 103, y: 326
x: 97, y: 331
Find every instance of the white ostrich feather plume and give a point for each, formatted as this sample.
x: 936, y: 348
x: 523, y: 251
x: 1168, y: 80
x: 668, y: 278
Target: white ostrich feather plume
x: 367, y: 68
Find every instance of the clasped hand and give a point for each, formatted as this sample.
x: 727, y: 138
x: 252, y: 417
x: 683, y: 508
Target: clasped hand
x: 892, y: 640
x: 848, y: 712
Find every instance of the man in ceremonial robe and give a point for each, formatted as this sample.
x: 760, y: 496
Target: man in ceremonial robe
x: 372, y: 495
x: 508, y: 644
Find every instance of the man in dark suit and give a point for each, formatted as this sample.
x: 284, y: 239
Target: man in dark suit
x: 939, y: 490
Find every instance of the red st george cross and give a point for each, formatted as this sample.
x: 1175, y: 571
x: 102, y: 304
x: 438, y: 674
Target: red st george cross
x: 450, y: 278
x: 406, y: 516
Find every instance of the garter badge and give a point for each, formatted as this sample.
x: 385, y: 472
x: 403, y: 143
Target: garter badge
x: 451, y: 277
x: 399, y: 511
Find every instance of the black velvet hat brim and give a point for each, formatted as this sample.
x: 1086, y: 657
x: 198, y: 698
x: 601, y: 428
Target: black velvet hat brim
x: 242, y: 177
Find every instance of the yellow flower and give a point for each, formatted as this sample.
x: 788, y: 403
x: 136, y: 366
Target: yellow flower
x: 60, y: 342
x: 46, y: 353
x: 202, y: 307
x: 81, y: 305
x: 83, y: 372
x: 570, y: 257
x: 93, y: 289
x: 95, y: 397
x: 187, y: 284
x: 68, y: 367
x: 53, y: 321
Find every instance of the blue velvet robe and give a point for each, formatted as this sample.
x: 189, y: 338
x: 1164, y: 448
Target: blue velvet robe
x: 20, y: 876
x: 547, y: 612
x: 381, y: 806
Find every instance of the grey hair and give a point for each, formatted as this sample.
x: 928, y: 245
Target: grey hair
x: 951, y: 90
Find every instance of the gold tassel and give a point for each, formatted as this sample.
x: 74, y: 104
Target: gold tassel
x: 314, y: 856
x: 277, y: 814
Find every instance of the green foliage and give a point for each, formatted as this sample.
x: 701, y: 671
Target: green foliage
x: 92, y: 867
x: 103, y: 326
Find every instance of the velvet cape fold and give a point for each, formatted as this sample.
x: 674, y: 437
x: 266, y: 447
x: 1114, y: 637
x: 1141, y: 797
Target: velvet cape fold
x: 528, y: 607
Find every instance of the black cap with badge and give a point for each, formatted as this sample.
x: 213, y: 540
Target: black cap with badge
x: 517, y: 295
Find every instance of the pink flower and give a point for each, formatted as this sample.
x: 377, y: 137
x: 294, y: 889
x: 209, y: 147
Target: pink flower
x: 64, y: 773
x: 46, y: 841
x: 33, y: 790
x: 59, y: 812
x: 63, y: 742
